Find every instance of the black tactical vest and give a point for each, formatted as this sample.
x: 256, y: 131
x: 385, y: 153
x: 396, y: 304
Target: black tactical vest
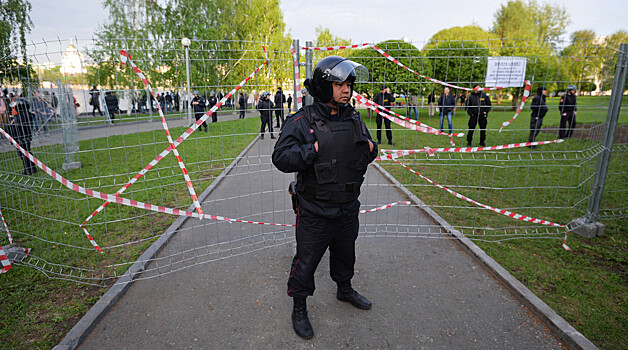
x: 341, y: 161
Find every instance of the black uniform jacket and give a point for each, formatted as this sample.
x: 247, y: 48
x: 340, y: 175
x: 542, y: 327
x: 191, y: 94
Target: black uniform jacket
x: 567, y: 104
x: 295, y: 152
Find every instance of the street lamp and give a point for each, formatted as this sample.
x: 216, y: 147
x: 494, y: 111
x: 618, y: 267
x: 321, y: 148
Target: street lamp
x: 186, y: 44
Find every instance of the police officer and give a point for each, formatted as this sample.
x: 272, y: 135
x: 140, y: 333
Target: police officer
x: 478, y: 105
x: 198, y: 105
x: 265, y: 108
x: 329, y: 147
x: 21, y: 129
x: 280, y: 99
x: 211, y: 102
x: 568, y: 111
x: 385, y: 99
x: 539, y: 110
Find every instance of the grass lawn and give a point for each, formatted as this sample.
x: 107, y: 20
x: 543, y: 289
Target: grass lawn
x: 587, y: 286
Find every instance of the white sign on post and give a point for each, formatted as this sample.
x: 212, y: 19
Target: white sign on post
x: 505, y: 71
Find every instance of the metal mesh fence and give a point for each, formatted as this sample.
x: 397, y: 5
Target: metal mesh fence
x: 104, y: 137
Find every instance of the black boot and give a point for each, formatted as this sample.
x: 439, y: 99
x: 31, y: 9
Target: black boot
x: 300, y: 322
x: 346, y: 293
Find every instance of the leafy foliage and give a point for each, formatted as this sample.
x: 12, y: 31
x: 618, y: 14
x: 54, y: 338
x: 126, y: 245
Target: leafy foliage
x: 382, y: 71
x: 15, y: 23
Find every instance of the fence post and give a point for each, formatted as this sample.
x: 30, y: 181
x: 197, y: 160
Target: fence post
x: 295, y: 71
x: 69, y: 127
x: 186, y: 43
x: 591, y: 226
x: 308, y: 70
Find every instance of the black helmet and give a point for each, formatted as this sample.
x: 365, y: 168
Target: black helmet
x: 334, y: 69
x: 571, y: 88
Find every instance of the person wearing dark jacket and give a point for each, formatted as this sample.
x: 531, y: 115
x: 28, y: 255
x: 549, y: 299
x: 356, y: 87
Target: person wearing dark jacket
x: 94, y: 100
x: 430, y: 102
x: 289, y: 101
x: 198, y: 105
x: 21, y: 129
x: 265, y: 107
x: 329, y: 147
x: 385, y: 99
x: 446, y: 104
x: 280, y: 99
x: 111, y: 102
x: 242, y: 103
x: 568, y: 111
x: 539, y: 110
x: 211, y: 101
x: 478, y: 105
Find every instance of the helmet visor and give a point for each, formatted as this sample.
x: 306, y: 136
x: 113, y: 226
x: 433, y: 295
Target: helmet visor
x: 344, y: 69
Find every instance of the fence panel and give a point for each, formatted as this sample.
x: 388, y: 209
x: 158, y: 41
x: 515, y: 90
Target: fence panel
x: 117, y: 149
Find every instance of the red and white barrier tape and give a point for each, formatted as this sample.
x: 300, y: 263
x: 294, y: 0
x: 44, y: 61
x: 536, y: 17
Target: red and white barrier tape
x: 6, y: 227
x: 406, y: 122
x: 341, y: 47
x: 393, y: 154
x: 385, y: 207
x: 179, y: 140
x: 497, y: 210
x: 4, y: 260
x: 394, y: 60
x: 526, y: 93
x: 297, y: 78
x: 124, y: 56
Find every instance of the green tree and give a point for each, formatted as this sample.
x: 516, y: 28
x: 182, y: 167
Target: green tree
x: 457, y: 62
x: 531, y: 30
x: 383, y: 71
x: 611, y: 46
x: 518, y: 20
x: 324, y: 37
x: 466, y: 33
x: 583, y: 56
x: 225, y: 41
x: 15, y: 23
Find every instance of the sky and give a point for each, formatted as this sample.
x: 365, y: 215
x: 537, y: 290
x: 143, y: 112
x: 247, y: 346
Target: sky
x: 357, y: 20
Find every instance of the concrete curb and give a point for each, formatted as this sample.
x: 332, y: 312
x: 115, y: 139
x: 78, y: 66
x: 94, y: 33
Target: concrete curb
x: 566, y: 332
x: 82, y: 328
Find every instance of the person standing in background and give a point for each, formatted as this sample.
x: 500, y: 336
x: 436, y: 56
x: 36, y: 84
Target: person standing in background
x: 478, y: 105
x: 430, y: 102
x: 446, y: 104
x: 385, y: 99
x: 568, y: 111
x: 539, y: 110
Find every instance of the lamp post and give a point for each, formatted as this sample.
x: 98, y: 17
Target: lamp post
x: 186, y: 44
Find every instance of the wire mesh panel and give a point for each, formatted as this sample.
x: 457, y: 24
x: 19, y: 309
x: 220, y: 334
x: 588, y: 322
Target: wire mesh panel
x: 131, y: 143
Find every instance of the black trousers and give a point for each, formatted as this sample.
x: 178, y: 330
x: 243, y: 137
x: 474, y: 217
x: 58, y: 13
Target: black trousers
x: 199, y: 115
x: 29, y: 167
x: 473, y: 121
x: 535, y: 127
x: 564, y: 130
x: 378, y: 120
x: 242, y: 113
x: 279, y: 114
x: 314, y: 235
x: 95, y: 107
x: 266, y: 120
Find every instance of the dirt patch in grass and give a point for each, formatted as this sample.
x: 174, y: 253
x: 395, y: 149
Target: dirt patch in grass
x: 582, y: 131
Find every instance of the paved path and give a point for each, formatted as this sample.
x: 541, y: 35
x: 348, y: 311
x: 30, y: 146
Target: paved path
x: 426, y: 293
